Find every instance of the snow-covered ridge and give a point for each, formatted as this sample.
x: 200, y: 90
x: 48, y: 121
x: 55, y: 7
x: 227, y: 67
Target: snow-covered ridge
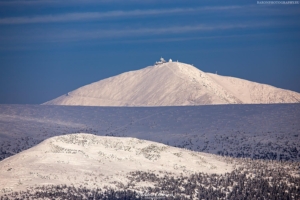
x: 78, y: 158
x: 173, y: 84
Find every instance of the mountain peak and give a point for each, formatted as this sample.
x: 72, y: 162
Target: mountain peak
x: 173, y: 84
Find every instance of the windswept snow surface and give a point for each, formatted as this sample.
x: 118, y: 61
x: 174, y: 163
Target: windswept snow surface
x: 99, y: 161
x: 270, y: 131
x: 173, y: 84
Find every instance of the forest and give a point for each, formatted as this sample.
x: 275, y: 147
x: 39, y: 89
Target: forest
x: 253, y: 179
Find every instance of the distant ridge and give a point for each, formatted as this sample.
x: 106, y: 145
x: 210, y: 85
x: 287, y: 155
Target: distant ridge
x: 174, y: 84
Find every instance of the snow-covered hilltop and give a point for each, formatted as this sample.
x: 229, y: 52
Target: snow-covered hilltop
x: 98, y: 161
x: 85, y: 166
x: 173, y: 84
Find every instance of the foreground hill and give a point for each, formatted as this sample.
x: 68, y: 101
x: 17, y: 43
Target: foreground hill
x: 85, y: 166
x: 174, y: 84
x: 268, y: 131
x: 98, y: 161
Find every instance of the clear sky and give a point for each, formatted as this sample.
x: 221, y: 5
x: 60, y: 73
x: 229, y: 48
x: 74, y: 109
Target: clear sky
x: 51, y: 47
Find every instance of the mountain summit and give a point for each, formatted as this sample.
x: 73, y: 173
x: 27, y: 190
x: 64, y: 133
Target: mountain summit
x: 173, y: 84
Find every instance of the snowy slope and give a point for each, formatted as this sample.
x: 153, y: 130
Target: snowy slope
x: 269, y: 131
x: 254, y: 93
x: 98, y: 161
x: 85, y: 166
x: 173, y: 84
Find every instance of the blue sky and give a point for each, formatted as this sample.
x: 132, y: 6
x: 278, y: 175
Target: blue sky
x: 50, y: 47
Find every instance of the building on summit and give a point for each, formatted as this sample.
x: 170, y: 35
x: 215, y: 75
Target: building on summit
x: 162, y: 61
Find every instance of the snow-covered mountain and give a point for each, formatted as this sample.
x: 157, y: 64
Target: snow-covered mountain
x: 174, y: 84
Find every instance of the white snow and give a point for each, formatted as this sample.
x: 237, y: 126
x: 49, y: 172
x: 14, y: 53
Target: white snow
x: 98, y: 161
x: 173, y: 84
x: 258, y: 131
